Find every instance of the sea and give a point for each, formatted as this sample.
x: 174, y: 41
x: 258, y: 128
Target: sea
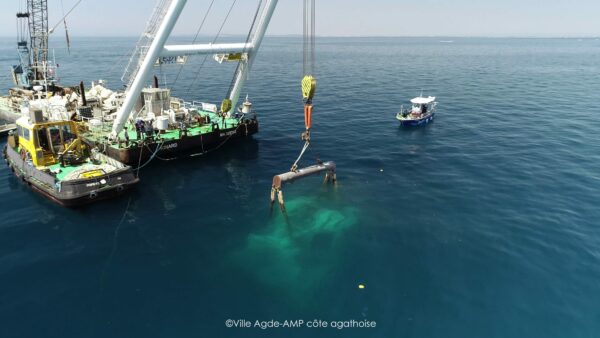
x: 483, y: 223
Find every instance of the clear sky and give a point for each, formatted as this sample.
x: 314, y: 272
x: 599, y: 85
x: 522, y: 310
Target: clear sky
x: 555, y: 18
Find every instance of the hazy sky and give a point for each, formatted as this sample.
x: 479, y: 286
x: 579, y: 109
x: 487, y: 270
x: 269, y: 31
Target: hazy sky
x: 338, y: 17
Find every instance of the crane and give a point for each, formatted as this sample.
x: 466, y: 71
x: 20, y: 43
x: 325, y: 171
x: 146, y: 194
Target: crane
x: 32, y: 45
x: 155, y: 47
x: 34, y: 68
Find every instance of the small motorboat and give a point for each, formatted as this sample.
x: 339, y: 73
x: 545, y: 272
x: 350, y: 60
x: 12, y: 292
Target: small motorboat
x: 422, y: 112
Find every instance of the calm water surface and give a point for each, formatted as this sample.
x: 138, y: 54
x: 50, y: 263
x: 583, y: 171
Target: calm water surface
x: 482, y: 224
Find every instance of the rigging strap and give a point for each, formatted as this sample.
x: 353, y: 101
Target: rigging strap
x: 295, y: 165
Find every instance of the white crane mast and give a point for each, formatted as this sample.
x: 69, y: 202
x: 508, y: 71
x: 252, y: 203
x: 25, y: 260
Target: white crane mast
x: 146, y: 65
x: 158, y: 48
x: 246, y: 65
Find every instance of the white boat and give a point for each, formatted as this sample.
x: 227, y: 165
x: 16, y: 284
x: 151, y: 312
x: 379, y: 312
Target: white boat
x: 421, y: 112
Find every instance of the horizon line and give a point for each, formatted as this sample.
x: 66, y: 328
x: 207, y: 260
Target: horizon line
x: 591, y: 36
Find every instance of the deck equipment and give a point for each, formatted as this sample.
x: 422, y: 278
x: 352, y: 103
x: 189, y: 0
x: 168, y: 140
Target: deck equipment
x: 37, y: 67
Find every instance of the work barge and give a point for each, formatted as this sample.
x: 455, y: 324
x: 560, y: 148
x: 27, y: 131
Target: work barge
x: 197, y: 130
x: 109, y: 133
x: 144, y: 122
x: 150, y: 123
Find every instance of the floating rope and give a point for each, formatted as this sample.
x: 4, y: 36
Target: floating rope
x: 150, y: 159
x: 217, y: 147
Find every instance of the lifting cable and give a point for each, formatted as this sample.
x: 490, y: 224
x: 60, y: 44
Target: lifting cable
x: 308, y: 86
x: 64, y: 16
x: 214, y: 40
x: 309, y: 82
x: 240, y: 63
x: 196, y: 37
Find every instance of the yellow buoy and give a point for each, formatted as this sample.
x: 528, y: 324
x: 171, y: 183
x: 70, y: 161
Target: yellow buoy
x: 361, y: 286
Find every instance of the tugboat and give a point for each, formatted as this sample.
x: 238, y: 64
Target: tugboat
x: 422, y: 112
x: 50, y: 157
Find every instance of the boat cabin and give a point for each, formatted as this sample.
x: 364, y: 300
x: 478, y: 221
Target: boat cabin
x: 46, y: 143
x: 422, y: 105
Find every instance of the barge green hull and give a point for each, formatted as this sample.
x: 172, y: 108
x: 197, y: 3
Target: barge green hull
x: 172, y: 144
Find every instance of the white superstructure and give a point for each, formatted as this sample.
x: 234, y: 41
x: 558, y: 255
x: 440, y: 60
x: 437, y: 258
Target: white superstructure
x: 158, y: 49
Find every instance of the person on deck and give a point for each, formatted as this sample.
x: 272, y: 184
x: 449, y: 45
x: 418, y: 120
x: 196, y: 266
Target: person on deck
x: 149, y: 128
x: 139, y: 129
x: 126, y: 136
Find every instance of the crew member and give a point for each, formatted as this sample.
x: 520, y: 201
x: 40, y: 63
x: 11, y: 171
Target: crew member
x: 139, y: 129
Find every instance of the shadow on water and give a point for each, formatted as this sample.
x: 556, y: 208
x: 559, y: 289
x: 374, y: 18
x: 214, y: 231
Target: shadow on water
x: 415, y: 131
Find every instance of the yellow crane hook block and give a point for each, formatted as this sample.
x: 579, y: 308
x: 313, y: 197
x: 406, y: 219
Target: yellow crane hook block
x: 309, y: 86
x: 290, y: 176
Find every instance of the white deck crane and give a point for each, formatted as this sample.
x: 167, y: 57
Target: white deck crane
x: 166, y: 17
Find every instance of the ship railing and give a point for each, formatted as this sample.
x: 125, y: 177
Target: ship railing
x: 198, y: 105
x: 188, y: 104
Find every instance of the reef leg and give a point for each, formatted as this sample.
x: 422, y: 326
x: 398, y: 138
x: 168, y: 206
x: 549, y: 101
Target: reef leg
x: 280, y: 198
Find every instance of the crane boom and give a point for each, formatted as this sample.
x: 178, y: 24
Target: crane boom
x: 147, y: 60
x: 246, y: 64
x: 32, y: 45
x: 164, y: 23
x: 38, y: 30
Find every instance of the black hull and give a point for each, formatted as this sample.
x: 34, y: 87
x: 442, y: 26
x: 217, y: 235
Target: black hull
x: 138, y: 154
x: 71, y: 193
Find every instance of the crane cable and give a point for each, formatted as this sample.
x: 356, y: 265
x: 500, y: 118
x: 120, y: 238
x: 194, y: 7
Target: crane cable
x: 227, y: 101
x: 309, y: 82
x: 196, y: 37
x: 64, y: 17
x: 66, y: 29
x: 189, y: 90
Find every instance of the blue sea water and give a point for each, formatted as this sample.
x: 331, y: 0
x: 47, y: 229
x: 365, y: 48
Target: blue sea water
x: 482, y: 224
